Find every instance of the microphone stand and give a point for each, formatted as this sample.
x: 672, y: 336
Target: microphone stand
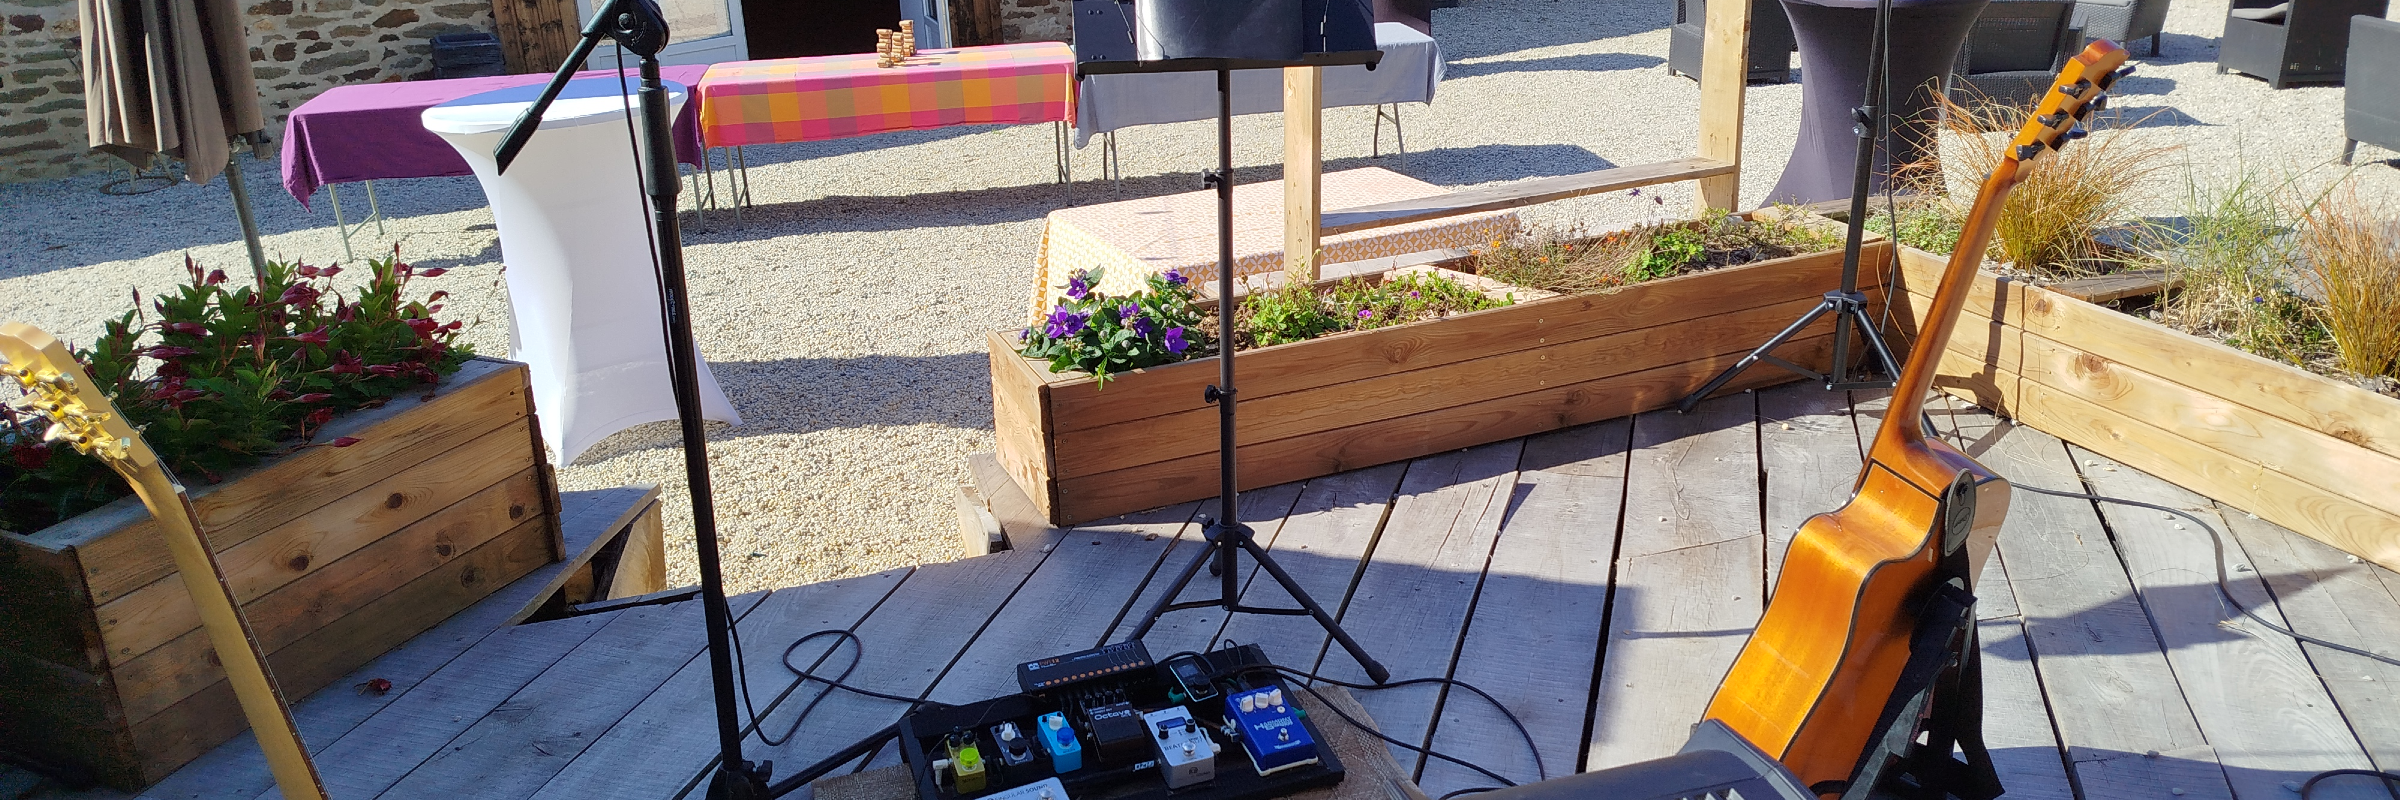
x: 639, y: 28
x: 1848, y: 305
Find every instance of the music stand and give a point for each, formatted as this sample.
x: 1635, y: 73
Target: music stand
x: 1226, y: 535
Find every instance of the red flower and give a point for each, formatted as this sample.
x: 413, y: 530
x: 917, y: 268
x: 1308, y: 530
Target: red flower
x: 187, y: 328
x: 345, y: 364
x: 164, y: 352
x: 383, y: 370
x: 329, y: 272
x: 279, y: 394
x: 323, y: 335
x: 299, y: 293
x: 345, y: 441
x: 320, y: 416
x: 344, y: 312
x: 423, y: 326
x: 436, y: 297
x: 172, y: 369
x: 313, y: 397
x: 307, y: 271
x: 30, y: 456
x: 436, y: 272
x: 215, y: 276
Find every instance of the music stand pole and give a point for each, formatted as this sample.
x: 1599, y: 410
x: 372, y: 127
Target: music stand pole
x: 638, y: 27
x: 1226, y: 534
x: 1847, y: 305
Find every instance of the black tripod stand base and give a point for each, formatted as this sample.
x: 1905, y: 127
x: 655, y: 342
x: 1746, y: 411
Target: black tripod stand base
x: 1224, y: 541
x: 747, y: 781
x: 1849, y: 310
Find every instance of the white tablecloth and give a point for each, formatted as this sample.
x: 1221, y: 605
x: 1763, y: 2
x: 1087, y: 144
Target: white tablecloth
x: 1412, y: 66
x: 583, y: 300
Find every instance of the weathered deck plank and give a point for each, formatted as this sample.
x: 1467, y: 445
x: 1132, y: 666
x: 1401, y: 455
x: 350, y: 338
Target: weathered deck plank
x: 1544, y: 592
x: 1411, y: 602
x: 2333, y: 596
x: 1689, y: 570
x: 519, y: 745
x: 670, y: 740
x: 2256, y: 697
x: 2102, y: 669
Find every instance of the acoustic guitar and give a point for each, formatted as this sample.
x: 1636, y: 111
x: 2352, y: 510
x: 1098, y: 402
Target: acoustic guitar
x: 1810, y: 685
x: 55, y: 386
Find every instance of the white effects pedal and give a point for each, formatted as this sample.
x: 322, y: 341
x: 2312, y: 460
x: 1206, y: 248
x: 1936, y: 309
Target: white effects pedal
x: 1044, y: 789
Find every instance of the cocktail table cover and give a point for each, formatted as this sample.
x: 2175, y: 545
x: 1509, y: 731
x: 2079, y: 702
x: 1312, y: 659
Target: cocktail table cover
x: 831, y: 97
x: 1130, y: 240
x: 1835, y: 37
x: 1411, y: 69
x: 574, y: 231
x: 370, y: 131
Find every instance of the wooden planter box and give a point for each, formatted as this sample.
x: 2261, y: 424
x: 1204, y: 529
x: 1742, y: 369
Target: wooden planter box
x: 2312, y: 454
x: 1359, y: 399
x: 338, y: 554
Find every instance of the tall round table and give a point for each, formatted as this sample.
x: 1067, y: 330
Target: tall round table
x: 574, y: 223
x: 1836, y: 37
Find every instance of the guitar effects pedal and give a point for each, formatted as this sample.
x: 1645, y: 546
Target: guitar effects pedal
x: 1186, y: 756
x: 1270, y: 730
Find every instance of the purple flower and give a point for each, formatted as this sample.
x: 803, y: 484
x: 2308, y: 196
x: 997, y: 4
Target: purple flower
x: 1078, y: 285
x: 1174, y: 340
x: 1175, y: 278
x: 1413, y: 293
x: 1126, y: 312
x: 1634, y: 193
x: 1142, y: 327
x: 1024, y: 334
x: 1064, y: 323
x: 1365, y: 313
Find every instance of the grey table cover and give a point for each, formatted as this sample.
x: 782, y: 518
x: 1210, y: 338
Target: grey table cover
x: 1412, y: 66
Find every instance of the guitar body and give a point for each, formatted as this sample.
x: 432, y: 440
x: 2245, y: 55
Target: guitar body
x: 1811, y: 686
x: 1814, y: 700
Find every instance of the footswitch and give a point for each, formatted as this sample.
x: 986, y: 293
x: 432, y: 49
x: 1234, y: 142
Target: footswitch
x: 1185, y: 753
x: 1270, y: 729
x: 966, y: 764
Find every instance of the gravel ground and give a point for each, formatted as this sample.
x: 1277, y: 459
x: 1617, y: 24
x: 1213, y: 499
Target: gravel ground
x: 846, y: 316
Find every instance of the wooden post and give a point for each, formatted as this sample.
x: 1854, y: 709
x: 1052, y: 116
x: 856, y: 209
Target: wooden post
x: 535, y: 34
x: 1724, y: 77
x: 1303, y: 169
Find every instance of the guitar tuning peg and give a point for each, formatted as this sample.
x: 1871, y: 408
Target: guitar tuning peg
x: 2051, y: 120
x: 58, y: 433
x: 2075, y: 89
x: 2027, y: 152
x: 2078, y: 132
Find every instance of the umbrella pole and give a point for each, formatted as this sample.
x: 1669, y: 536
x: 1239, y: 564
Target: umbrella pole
x: 241, y: 208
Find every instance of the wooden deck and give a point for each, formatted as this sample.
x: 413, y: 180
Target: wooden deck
x: 1598, y: 580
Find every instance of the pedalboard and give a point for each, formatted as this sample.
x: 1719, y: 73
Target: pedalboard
x: 1113, y: 724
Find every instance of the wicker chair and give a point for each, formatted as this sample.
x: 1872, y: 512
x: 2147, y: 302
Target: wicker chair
x: 1771, y: 41
x: 2290, y: 41
x: 2122, y: 21
x: 2371, y: 109
x: 2015, y: 51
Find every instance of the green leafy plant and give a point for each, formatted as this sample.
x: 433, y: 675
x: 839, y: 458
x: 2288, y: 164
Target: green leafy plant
x: 229, y: 375
x: 1932, y: 225
x: 1088, y: 331
x: 1297, y: 312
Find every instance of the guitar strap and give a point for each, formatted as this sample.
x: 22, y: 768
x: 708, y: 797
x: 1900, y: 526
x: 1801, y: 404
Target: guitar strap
x: 1940, y: 691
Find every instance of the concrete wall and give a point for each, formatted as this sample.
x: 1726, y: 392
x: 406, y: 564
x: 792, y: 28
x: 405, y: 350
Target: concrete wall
x: 298, y: 47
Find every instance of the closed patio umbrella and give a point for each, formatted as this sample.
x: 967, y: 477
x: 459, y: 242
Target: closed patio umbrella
x: 173, y: 77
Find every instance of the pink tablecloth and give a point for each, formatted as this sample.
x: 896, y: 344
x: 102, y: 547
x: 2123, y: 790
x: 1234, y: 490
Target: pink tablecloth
x: 371, y: 131
x: 831, y: 97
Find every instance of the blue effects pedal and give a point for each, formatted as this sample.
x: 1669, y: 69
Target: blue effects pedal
x: 1270, y: 729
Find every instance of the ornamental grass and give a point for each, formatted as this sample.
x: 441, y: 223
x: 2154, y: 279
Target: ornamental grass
x: 2051, y: 223
x: 2352, y: 249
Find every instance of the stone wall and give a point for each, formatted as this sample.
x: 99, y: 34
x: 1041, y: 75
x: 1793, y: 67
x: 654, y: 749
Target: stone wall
x: 299, y: 48
x: 1036, y: 21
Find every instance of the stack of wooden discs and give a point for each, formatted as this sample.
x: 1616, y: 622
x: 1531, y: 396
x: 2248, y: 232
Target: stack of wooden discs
x: 893, y: 47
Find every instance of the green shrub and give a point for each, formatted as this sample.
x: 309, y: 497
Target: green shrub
x: 227, y: 376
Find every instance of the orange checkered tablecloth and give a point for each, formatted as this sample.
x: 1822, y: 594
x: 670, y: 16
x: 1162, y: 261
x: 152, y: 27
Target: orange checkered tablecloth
x: 1130, y: 240
x: 831, y: 97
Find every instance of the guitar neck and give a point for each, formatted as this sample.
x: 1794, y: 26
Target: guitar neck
x: 1902, y: 424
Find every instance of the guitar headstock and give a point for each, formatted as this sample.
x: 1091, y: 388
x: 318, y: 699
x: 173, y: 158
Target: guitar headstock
x: 57, y: 388
x: 2081, y: 89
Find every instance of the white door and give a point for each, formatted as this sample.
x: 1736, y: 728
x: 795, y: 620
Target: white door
x: 698, y: 32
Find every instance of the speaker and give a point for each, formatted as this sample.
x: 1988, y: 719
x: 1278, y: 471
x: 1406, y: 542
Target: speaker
x: 1264, y: 30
